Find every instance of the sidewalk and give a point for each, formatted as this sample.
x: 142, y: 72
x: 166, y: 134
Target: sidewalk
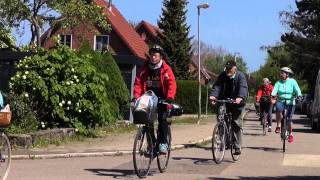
x: 183, y: 135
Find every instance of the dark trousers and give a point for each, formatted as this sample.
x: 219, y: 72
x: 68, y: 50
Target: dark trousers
x: 236, y: 123
x: 163, y: 123
x: 266, y: 109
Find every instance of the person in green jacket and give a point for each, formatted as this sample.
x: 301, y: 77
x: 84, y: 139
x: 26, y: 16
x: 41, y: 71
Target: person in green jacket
x: 285, y: 90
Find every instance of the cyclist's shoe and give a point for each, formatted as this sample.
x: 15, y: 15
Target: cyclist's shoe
x: 269, y: 128
x: 163, y: 148
x: 277, y: 130
x: 290, y: 140
x: 237, y: 151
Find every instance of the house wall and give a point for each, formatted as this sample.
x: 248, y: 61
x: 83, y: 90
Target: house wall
x: 85, y: 31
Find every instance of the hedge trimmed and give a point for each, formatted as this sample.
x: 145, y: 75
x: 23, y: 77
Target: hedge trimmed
x: 187, y: 96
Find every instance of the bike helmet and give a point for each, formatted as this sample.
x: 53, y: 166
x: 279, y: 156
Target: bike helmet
x: 156, y: 49
x: 266, y: 80
x: 287, y: 70
x: 230, y: 64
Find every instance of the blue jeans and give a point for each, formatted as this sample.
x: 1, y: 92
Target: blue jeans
x: 280, y: 108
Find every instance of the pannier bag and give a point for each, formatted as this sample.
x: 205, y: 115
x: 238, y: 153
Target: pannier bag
x: 177, y: 110
x: 145, y: 109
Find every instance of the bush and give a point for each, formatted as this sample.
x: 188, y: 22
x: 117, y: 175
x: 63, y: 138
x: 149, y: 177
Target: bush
x: 118, y: 94
x: 23, y: 120
x: 64, y: 89
x: 187, y: 96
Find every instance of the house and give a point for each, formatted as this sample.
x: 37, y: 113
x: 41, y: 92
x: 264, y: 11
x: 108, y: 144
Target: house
x: 206, y: 75
x: 148, y: 32
x: 126, y: 45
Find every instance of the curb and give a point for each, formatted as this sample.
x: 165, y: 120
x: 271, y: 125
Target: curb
x: 99, y: 154
x: 106, y: 153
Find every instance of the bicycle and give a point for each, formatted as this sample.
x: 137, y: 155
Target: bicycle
x: 222, y: 137
x: 267, y: 100
x: 5, y: 148
x: 284, y: 135
x: 146, y: 146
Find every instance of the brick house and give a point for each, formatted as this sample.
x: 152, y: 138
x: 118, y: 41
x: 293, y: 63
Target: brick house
x: 128, y: 48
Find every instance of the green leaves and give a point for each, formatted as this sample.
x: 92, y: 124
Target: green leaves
x: 64, y: 88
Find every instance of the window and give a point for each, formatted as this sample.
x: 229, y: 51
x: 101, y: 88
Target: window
x: 66, y: 39
x: 101, y: 42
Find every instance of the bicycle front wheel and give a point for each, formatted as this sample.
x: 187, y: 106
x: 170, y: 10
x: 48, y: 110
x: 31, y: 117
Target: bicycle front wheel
x: 219, y: 142
x: 142, y: 153
x: 264, y: 125
x: 163, y: 158
x: 5, y: 156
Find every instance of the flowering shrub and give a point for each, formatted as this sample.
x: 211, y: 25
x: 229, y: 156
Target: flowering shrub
x: 64, y: 89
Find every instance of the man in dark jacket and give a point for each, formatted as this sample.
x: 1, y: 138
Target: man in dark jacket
x: 232, y: 84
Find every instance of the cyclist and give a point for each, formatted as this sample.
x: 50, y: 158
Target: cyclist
x: 286, y: 88
x: 263, y: 98
x: 157, y: 75
x: 232, y: 84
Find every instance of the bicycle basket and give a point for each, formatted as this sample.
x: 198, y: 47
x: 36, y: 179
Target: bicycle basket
x: 5, y: 119
x: 145, y: 109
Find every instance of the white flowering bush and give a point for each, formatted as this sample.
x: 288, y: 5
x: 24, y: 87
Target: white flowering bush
x: 64, y: 89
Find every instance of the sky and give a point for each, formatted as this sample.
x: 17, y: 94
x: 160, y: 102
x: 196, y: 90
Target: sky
x: 238, y: 26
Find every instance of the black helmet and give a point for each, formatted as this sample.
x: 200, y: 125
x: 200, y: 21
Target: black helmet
x: 230, y: 64
x: 156, y: 48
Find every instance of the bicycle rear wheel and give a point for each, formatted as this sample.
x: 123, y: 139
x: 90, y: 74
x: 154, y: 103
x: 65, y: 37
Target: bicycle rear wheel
x: 219, y: 142
x: 234, y: 156
x: 163, y: 159
x: 5, y: 156
x: 264, y: 125
x: 142, y: 153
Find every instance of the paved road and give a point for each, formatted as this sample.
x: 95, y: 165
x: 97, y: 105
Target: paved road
x: 262, y: 158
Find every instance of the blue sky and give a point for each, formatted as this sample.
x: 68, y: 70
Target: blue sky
x: 237, y: 26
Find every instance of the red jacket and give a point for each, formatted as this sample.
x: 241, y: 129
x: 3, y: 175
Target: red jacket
x: 264, y: 91
x: 167, y: 80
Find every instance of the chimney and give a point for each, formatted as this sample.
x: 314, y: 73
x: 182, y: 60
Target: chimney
x: 109, y: 5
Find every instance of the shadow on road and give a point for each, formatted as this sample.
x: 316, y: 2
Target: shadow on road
x: 273, y: 178
x: 115, y: 173
x: 198, y: 161
x: 269, y: 149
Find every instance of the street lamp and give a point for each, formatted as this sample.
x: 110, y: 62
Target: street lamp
x: 200, y: 6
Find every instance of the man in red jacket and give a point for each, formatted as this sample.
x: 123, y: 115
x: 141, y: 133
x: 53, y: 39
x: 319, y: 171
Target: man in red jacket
x: 157, y: 75
x: 264, y: 99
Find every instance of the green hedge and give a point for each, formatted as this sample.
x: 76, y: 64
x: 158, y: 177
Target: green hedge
x: 187, y: 96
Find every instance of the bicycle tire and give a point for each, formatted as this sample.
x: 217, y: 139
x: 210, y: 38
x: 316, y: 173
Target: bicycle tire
x: 219, y: 142
x: 163, y: 159
x: 142, y: 138
x: 5, y: 156
x: 232, y: 148
x: 264, y: 125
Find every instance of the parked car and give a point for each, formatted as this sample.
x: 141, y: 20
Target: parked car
x: 315, y: 106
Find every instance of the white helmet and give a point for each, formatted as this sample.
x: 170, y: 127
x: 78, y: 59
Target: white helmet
x: 287, y: 70
x: 266, y: 80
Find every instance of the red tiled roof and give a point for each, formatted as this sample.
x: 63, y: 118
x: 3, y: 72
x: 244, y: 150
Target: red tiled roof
x: 121, y: 26
x: 153, y: 30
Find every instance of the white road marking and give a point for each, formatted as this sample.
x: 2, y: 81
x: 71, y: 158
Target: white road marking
x: 301, y: 160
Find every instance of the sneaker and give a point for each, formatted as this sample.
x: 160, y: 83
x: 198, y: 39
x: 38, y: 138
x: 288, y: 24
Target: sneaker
x: 290, y: 140
x: 277, y: 130
x: 269, y: 129
x: 237, y: 151
x: 163, y: 148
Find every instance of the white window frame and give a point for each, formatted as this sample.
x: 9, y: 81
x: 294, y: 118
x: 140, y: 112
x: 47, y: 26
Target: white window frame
x: 95, y: 41
x: 64, y: 39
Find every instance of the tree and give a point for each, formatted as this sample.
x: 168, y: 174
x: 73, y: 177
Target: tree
x: 174, y: 38
x: 41, y: 14
x: 303, y: 40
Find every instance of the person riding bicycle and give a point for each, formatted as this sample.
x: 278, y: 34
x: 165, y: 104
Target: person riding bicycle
x: 263, y: 98
x: 232, y: 84
x: 157, y: 75
x: 285, y: 90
